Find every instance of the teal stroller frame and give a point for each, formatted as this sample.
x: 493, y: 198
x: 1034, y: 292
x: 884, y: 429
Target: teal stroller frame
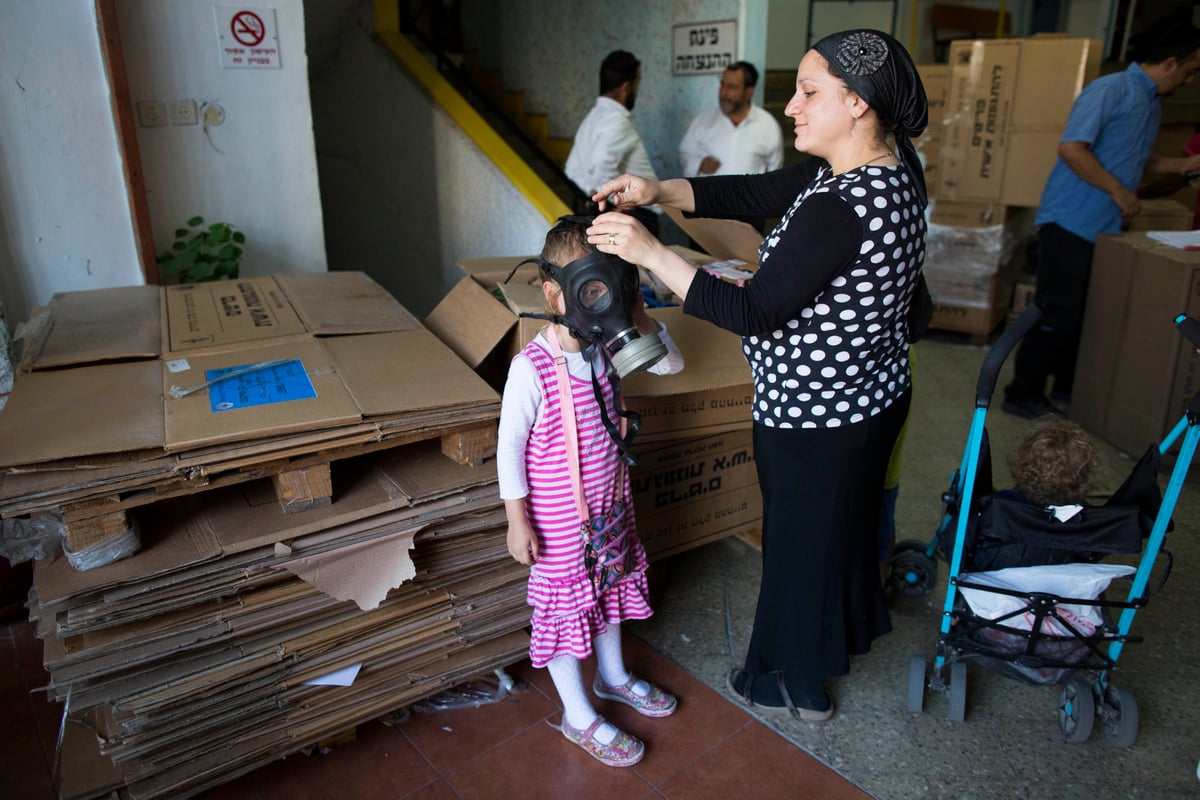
x: 1082, y: 663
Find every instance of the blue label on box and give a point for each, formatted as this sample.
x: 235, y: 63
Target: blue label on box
x: 258, y: 385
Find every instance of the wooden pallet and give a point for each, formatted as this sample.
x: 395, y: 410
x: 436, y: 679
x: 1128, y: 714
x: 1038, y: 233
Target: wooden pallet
x: 301, y: 482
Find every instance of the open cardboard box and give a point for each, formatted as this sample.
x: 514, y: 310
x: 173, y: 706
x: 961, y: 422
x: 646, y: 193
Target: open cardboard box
x: 487, y: 331
x: 480, y: 317
x: 691, y: 491
x: 694, y: 423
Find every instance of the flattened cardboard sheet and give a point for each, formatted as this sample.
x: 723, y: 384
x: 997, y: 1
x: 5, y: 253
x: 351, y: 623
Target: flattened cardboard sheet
x: 362, y: 572
x: 222, y: 312
x: 249, y: 516
x: 174, y: 536
x: 89, y: 410
x: 344, y: 302
x: 412, y: 370
x: 102, y: 325
x: 258, y: 405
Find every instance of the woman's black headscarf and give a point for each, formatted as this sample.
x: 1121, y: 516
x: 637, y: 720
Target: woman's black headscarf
x: 879, y: 70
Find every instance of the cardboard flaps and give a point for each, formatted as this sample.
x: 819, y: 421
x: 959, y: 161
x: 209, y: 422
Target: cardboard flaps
x: 94, y: 326
x: 723, y: 239
x: 250, y: 309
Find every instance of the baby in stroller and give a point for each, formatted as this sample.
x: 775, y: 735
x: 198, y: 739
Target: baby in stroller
x: 1055, y: 464
x: 1031, y: 572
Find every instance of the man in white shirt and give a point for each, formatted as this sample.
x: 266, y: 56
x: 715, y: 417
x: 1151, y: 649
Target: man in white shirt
x: 735, y: 138
x: 606, y: 144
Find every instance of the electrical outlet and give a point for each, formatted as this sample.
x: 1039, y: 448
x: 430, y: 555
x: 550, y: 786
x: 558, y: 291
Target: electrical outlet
x: 212, y: 114
x: 152, y: 113
x: 183, y: 112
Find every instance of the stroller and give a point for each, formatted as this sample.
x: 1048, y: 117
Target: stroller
x: 1025, y: 596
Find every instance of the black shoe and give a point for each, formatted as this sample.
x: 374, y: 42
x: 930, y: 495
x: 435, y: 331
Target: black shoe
x: 1032, y: 408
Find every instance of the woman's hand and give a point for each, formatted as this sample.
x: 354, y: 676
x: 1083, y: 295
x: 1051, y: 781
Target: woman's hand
x: 625, y: 237
x: 627, y: 191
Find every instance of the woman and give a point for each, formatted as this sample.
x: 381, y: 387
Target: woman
x: 824, y: 328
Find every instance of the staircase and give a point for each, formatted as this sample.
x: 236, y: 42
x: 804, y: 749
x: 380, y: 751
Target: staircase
x: 512, y: 103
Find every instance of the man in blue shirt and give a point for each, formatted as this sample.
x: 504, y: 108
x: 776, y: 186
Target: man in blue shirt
x: 1091, y: 189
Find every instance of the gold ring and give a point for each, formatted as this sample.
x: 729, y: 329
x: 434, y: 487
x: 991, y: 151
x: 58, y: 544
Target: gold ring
x: 612, y: 238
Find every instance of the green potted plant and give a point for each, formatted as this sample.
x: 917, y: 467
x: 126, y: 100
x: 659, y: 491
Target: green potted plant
x: 202, y: 253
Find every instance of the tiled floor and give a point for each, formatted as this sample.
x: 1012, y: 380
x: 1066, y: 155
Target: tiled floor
x: 496, y: 750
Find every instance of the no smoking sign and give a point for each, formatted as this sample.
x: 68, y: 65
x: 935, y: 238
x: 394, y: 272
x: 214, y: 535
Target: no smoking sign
x: 247, y: 37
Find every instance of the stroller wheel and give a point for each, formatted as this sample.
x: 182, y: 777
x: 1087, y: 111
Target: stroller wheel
x: 958, y: 691
x: 1120, y: 714
x: 916, y: 684
x: 911, y: 573
x: 1076, y: 711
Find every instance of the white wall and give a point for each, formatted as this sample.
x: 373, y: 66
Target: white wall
x: 65, y: 222
x: 64, y: 219
x: 258, y: 169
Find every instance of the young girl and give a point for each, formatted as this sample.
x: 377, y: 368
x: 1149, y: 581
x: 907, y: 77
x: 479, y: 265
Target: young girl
x: 543, y: 489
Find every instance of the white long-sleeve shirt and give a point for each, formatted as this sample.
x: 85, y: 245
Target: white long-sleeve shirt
x: 522, y: 406
x: 754, y: 146
x: 606, y: 145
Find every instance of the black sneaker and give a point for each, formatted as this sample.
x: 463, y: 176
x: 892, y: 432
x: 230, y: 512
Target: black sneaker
x: 1032, y: 408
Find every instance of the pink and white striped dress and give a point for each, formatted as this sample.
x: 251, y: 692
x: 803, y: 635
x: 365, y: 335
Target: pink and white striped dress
x: 567, y: 615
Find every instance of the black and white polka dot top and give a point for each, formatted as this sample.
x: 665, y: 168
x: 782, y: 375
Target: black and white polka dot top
x: 825, y: 330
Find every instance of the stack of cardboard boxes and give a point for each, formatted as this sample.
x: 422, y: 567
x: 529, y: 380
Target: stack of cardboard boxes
x: 1135, y: 374
x: 997, y: 110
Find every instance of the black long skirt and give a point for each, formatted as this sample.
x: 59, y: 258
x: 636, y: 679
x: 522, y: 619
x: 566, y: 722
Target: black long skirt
x: 820, y: 600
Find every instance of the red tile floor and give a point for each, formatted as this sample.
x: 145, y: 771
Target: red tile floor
x: 711, y: 748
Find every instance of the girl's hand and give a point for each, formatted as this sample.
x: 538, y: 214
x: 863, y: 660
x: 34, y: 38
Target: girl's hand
x: 625, y: 192
x: 522, y: 543
x: 625, y: 237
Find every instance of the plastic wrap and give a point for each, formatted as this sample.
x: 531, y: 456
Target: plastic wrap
x: 107, y: 550
x: 29, y: 538
x: 961, y: 262
x: 471, y: 694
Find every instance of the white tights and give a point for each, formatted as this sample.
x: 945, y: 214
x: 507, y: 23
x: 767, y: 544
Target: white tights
x: 568, y: 680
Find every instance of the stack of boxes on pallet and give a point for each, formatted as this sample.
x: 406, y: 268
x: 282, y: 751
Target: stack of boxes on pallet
x: 695, y: 479
x: 280, y: 519
x: 997, y: 110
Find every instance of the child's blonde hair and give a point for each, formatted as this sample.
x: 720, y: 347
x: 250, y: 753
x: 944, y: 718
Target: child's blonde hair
x: 1055, y: 464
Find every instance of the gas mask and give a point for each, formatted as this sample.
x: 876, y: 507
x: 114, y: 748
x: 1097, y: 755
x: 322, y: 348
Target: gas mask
x: 600, y: 292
